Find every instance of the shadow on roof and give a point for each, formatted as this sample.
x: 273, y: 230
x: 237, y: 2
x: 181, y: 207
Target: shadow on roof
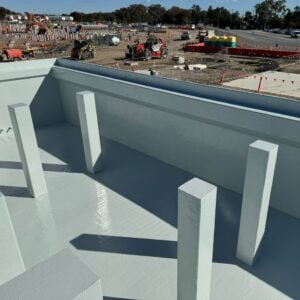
x: 126, y: 245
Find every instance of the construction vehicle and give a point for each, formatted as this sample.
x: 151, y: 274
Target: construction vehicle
x: 153, y: 48
x: 295, y: 34
x: 11, y: 55
x: 185, y: 35
x: 37, y: 24
x: 83, y: 50
x: 30, y: 52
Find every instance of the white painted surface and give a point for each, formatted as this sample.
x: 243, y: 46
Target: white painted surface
x: 127, y: 214
x: 61, y: 277
x: 89, y: 130
x: 28, y: 148
x: 207, y: 138
x: 122, y: 223
x: 196, y: 224
x: 260, y: 170
x: 30, y: 82
x: 11, y: 262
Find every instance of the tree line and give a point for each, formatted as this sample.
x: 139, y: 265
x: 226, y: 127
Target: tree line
x: 266, y: 14
x: 4, y: 12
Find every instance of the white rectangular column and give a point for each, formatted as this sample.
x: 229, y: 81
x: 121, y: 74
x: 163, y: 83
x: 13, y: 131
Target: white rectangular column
x: 196, y: 224
x: 260, y: 169
x: 89, y: 130
x: 11, y: 261
x: 28, y: 149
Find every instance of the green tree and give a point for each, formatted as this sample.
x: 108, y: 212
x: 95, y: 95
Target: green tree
x: 177, y: 15
x: 156, y: 13
x: 270, y: 12
x: 4, y: 12
x: 138, y: 13
x: 196, y: 14
x: 249, y: 20
x: 292, y: 18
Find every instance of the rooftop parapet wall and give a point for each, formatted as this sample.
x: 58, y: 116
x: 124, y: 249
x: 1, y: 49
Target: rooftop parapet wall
x: 206, y: 137
x: 274, y: 104
x: 185, y: 125
x: 30, y: 82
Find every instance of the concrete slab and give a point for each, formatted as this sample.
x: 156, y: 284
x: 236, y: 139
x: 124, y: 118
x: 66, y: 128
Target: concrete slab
x: 280, y: 83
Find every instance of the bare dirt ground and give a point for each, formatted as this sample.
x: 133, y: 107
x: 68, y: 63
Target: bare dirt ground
x: 219, y: 65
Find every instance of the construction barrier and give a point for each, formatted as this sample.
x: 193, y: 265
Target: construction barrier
x: 200, y: 47
x: 262, y: 52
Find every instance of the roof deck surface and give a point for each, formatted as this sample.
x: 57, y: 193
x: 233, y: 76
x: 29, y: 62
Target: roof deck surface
x: 122, y: 222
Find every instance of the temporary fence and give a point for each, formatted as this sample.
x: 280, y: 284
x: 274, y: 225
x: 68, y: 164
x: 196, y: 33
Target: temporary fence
x: 52, y: 35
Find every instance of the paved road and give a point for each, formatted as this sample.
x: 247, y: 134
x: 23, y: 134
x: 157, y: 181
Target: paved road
x: 264, y: 39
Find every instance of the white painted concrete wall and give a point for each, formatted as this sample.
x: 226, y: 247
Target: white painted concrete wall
x: 207, y: 138
x: 30, y: 82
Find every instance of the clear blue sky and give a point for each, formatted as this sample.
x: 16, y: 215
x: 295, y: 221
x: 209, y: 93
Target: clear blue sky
x: 67, y: 6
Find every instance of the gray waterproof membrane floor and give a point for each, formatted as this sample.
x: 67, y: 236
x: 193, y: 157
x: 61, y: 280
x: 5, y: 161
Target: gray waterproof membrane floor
x: 122, y: 223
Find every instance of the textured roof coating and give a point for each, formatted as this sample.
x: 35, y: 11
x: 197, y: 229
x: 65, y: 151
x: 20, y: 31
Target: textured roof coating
x: 61, y: 277
x: 122, y: 222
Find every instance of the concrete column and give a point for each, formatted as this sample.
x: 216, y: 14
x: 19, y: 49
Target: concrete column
x: 256, y: 197
x: 11, y: 262
x: 89, y: 130
x: 28, y: 149
x: 196, y: 223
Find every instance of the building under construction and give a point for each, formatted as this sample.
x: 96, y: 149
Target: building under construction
x: 117, y: 185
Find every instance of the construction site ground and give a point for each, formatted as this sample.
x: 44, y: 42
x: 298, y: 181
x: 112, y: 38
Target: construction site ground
x: 221, y: 68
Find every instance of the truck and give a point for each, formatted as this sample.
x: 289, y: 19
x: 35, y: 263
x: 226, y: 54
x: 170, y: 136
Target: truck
x: 185, y: 36
x: 295, y: 34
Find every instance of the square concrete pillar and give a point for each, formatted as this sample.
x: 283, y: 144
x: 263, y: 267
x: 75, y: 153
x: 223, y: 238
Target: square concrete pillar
x: 28, y: 149
x: 62, y: 276
x: 89, y: 130
x: 11, y: 261
x: 260, y: 169
x: 196, y: 224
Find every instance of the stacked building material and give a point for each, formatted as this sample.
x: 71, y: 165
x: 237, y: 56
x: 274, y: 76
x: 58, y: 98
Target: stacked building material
x: 220, y: 41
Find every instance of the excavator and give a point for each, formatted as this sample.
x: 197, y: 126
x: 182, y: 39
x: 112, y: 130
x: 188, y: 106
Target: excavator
x: 39, y: 23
